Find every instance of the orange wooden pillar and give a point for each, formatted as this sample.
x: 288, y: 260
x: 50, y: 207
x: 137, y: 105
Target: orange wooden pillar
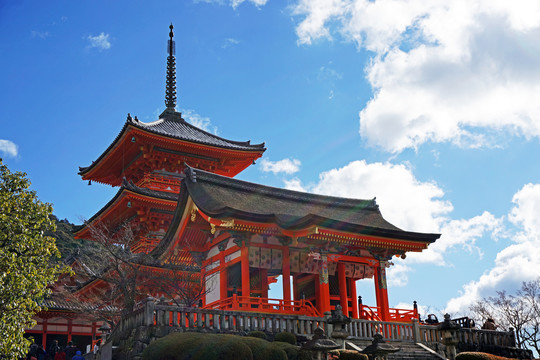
x: 70, y: 329
x: 343, y: 297
x: 286, y: 273
x: 354, y: 304
x: 244, y: 266
x: 381, y: 292
x: 324, y: 289
x: 44, y: 339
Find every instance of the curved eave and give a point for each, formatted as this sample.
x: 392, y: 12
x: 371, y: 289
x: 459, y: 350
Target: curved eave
x: 332, y: 228
x: 247, y: 146
x: 86, y: 172
x: 310, y: 220
x: 168, y: 239
x: 120, y: 195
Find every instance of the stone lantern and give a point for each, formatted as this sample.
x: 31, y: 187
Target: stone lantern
x: 320, y: 345
x: 448, y: 331
x: 379, y: 349
x: 105, y: 330
x: 338, y: 320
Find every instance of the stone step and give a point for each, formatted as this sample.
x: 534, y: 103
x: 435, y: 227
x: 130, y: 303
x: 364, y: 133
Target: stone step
x: 408, y: 350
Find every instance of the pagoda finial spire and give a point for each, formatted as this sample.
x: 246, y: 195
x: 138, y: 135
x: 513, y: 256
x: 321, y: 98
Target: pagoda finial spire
x: 170, y: 91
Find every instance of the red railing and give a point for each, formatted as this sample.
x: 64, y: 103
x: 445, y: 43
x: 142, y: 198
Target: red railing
x: 398, y: 315
x: 265, y: 305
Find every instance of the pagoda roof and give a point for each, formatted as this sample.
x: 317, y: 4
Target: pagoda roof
x: 131, y: 187
x: 223, y: 198
x: 171, y: 125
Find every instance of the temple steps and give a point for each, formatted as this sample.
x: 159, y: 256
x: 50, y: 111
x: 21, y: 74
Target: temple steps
x: 408, y: 350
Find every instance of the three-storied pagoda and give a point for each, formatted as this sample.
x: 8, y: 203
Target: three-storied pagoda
x: 147, y: 160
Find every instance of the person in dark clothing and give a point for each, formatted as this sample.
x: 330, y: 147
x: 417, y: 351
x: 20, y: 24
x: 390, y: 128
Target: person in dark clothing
x: 70, y: 351
x: 78, y: 356
x: 60, y: 355
x: 432, y: 319
x: 489, y: 325
x: 53, y: 349
x: 41, y: 352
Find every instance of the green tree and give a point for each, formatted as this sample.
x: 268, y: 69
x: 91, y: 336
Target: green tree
x: 25, y: 267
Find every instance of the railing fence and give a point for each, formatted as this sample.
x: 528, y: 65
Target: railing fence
x: 187, y: 318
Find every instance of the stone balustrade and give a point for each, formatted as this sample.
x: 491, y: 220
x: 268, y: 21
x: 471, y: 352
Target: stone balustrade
x: 161, y: 314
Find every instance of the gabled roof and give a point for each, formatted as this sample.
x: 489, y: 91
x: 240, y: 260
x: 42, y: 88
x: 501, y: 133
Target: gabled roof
x: 173, y: 126
x: 224, y: 198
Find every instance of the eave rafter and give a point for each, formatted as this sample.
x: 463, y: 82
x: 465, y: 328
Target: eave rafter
x: 135, y: 145
x: 128, y: 202
x: 397, y: 246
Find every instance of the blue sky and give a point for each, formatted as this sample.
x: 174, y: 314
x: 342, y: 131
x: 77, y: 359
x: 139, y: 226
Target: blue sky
x: 432, y: 108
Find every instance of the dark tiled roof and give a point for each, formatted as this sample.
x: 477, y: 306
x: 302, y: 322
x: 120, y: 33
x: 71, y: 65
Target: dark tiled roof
x: 173, y: 126
x: 129, y: 185
x: 57, y: 302
x: 223, y: 198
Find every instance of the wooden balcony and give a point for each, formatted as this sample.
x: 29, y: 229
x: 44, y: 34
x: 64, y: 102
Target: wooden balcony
x: 396, y: 315
x: 265, y: 305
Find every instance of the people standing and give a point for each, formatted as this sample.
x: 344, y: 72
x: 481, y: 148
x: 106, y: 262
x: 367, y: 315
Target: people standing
x: 70, y: 350
x: 53, y: 349
x: 489, y: 325
x: 96, y: 349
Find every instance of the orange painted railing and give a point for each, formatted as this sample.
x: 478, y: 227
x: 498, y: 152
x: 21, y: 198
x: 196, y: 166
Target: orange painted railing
x: 398, y: 315
x: 265, y: 305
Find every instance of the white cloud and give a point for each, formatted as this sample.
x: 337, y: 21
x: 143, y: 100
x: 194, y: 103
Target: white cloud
x: 518, y: 262
x: 100, y: 41
x: 9, y: 148
x: 40, y: 34
x: 199, y: 121
x: 228, y: 42
x: 404, y: 200
x: 398, y: 275
x: 460, y: 234
x: 294, y: 184
x: 328, y: 73
x: 460, y: 72
x: 258, y: 3
x: 233, y: 3
x: 287, y: 166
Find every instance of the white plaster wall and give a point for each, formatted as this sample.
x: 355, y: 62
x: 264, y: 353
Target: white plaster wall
x: 212, y: 288
x: 233, y: 256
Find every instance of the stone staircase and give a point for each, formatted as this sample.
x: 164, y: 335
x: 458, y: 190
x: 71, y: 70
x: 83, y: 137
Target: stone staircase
x: 408, y: 350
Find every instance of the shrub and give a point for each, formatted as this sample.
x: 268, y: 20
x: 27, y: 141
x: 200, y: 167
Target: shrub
x: 293, y: 352
x: 348, y: 354
x: 197, y: 346
x: 262, y: 349
x: 258, y: 334
x: 286, y: 337
x: 478, y: 356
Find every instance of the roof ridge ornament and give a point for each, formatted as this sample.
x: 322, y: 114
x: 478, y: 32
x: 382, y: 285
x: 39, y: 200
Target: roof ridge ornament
x: 170, y: 112
x: 170, y: 91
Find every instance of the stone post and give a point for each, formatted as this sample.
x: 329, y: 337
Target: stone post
x: 149, y: 308
x: 416, y: 331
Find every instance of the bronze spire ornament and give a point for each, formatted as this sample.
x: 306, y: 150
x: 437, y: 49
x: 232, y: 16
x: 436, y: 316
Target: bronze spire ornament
x: 170, y: 91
